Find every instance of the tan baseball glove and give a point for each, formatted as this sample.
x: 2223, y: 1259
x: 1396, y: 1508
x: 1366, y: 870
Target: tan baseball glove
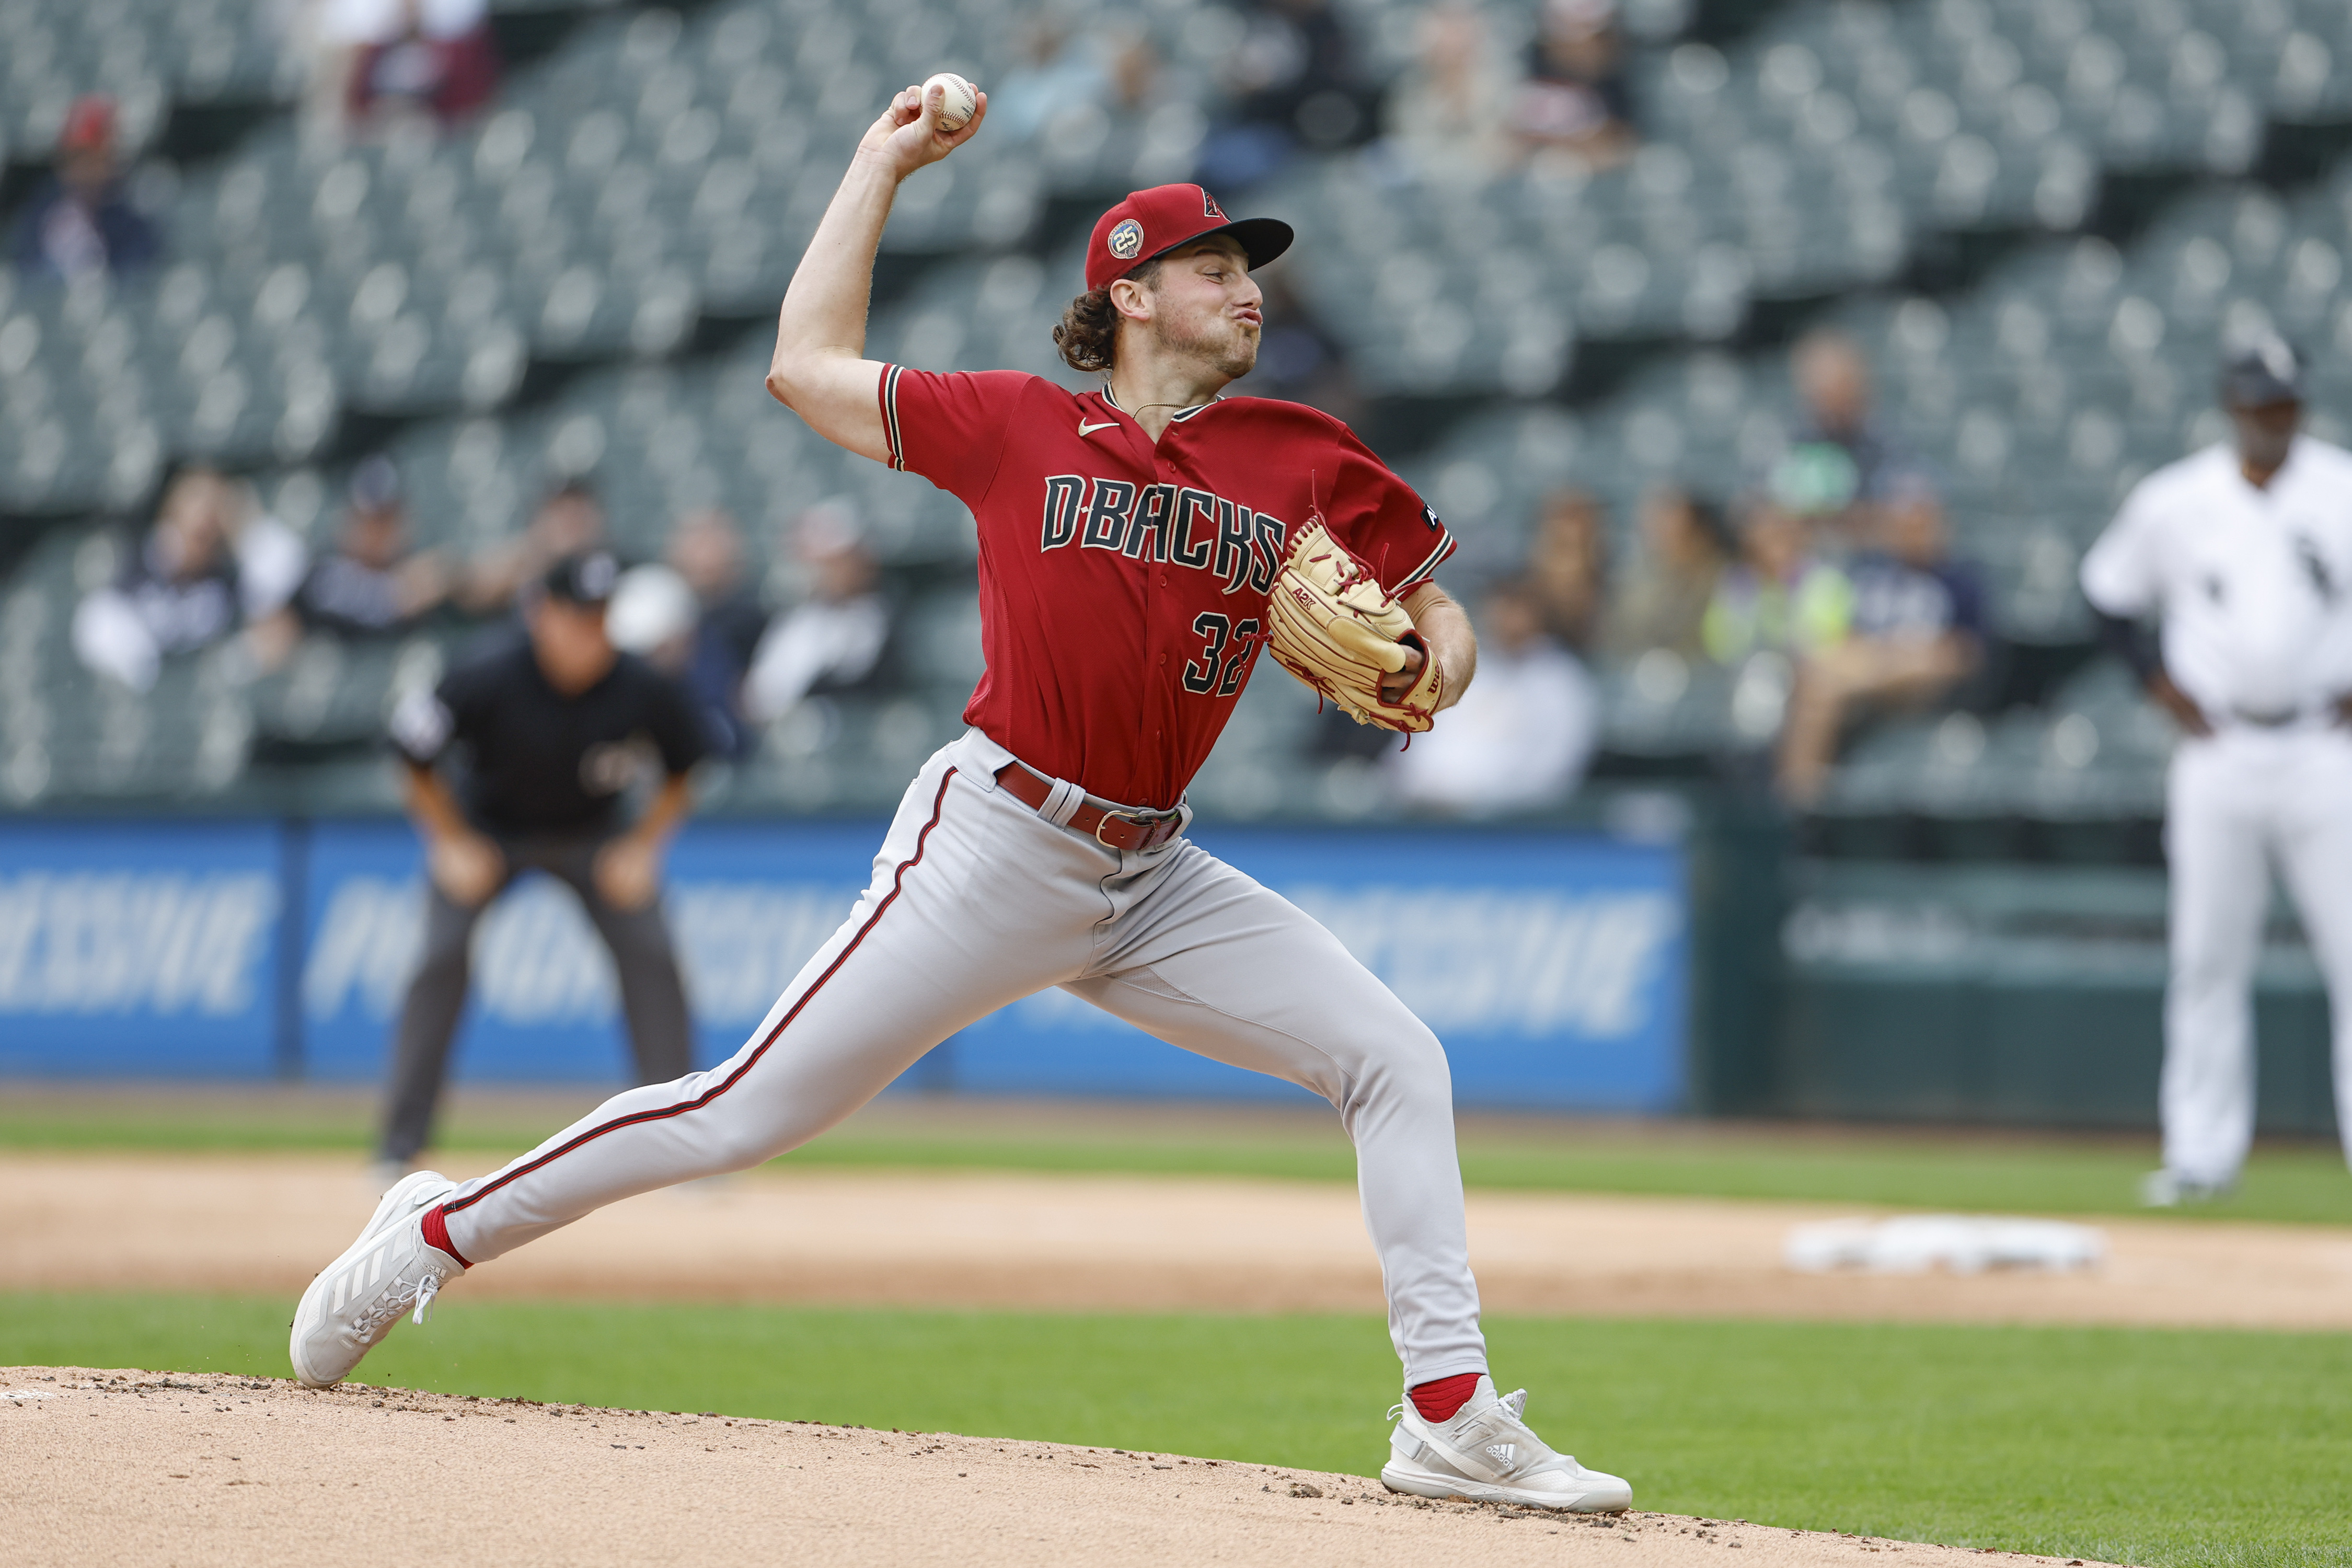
x: 1330, y: 623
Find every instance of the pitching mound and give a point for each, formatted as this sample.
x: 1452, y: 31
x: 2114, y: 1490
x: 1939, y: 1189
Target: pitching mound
x: 138, y: 1467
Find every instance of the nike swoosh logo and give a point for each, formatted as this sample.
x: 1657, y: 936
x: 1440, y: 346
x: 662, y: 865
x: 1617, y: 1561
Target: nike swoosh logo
x: 1087, y: 429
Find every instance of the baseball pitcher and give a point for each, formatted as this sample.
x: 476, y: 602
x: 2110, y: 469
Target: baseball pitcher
x: 1138, y: 544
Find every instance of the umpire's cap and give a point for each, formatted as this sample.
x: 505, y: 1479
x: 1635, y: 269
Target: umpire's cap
x: 375, y: 485
x: 2262, y: 371
x: 1150, y: 224
x: 586, y: 578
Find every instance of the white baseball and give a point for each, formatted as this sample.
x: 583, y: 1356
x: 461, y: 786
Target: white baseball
x: 957, y: 103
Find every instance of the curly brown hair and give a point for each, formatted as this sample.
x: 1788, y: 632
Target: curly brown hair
x: 1089, y: 335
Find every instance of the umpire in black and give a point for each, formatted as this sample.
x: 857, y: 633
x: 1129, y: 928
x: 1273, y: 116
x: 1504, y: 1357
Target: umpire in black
x: 546, y: 735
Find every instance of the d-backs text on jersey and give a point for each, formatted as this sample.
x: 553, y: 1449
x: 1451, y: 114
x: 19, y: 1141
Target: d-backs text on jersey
x: 1165, y: 522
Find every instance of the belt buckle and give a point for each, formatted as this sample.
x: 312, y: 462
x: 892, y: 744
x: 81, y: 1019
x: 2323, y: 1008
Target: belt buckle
x: 1139, y: 818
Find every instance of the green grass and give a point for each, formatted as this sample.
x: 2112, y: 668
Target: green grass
x: 207, y: 1120
x: 2161, y: 1447
x: 1924, y: 1168
x: 1934, y: 1171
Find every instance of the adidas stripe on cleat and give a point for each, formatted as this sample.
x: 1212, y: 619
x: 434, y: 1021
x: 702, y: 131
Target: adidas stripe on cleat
x: 1487, y: 1453
x: 390, y: 1270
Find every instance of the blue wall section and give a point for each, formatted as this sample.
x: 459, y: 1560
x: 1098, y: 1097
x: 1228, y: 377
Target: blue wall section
x: 147, y: 949
x: 748, y: 903
x: 1554, y: 966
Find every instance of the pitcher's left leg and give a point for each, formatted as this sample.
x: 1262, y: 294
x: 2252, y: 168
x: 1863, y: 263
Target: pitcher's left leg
x: 1220, y: 966
x: 1209, y: 961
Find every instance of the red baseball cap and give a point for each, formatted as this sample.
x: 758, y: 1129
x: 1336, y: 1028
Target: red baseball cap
x: 89, y: 124
x: 1153, y: 223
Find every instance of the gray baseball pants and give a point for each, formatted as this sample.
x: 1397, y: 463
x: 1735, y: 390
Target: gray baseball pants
x: 978, y: 901
x: 652, y: 997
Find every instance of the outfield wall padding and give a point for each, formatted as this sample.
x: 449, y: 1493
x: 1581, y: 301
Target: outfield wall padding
x: 1553, y: 963
x: 2012, y: 995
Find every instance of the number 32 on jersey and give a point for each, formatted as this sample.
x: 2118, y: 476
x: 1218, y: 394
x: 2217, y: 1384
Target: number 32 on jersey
x: 1218, y: 670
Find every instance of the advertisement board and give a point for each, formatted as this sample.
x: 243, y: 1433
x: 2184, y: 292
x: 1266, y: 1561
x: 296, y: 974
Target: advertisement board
x: 140, y: 950
x: 747, y: 903
x: 1553, y: 966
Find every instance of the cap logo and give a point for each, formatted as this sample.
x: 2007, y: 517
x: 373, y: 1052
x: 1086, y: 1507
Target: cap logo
x: 1209, y: 207
x: 1126, y: 239
x: 2276, y: 357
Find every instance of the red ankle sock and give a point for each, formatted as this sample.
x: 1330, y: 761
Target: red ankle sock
x: 1436, y: 1401
x: 437, y: 1234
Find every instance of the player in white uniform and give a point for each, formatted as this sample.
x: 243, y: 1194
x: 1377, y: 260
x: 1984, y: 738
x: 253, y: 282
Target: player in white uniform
x: 2244, y: 550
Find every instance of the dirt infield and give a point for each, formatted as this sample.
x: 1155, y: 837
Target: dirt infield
x: 135, y: 1467
x: 252, y: 1223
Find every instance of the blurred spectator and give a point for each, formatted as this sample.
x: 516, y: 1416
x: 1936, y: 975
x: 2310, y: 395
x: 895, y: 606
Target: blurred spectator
x: 271, y: 558
x: 1450, y: 111
x: 1917, y: 630
x: 1778, y: 597
x: 1298, y: 359
x: 1134, y: 68
x: 1661, y: 601
x: 1293, y: 82
x: 570, y: 520
x: 1838, y: 462
x: 389, y: 61
x: 81, y: 221
x: 1070, y: 80
x: 372, y: 583
x: 651, y: 615
x: 710, y: 652
x: 1574, y: 102
x: 1523, y: 734
x: 1567, y: 565
x: 187, y: 587
x: 706, y: 548
x: 1060, y: 69
x: 271, y: 563
x: 834, y: 641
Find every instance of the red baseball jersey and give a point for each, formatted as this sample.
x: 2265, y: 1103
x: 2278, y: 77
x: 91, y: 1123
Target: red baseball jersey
x: 1123, y: 584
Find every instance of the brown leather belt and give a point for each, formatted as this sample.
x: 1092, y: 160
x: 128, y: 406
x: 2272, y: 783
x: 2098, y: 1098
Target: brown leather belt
x: 1111, y: 827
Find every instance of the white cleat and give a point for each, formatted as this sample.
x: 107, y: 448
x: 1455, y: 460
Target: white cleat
x: 356, y: 1299
x: 2170, y: 1189
x: 1487, y: 1453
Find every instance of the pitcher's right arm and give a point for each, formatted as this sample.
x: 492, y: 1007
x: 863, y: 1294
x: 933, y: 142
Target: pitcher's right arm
x: 820, y: 370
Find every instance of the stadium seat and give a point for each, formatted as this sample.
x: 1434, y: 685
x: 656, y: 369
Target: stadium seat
x: 646, y: 187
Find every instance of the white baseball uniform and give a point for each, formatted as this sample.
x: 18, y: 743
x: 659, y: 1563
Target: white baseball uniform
x: 2254, y: 589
